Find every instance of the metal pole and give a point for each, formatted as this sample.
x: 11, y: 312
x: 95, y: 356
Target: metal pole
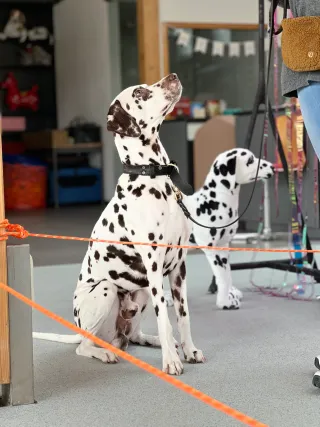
x: 20, y: 391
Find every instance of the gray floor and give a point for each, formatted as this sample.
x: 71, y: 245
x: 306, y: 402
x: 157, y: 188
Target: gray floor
x: 70, y: 221
x: 259, y: 361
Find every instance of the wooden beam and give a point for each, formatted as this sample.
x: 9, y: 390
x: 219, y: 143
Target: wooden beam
x: 148, y: 40
x: 4, y: 315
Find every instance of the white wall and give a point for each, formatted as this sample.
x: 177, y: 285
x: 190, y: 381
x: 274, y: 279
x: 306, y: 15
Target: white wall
x: 83, y: 72
x: 213, y: 11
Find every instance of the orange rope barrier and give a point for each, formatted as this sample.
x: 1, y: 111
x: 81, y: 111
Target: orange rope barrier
x: 245, y: 419
x: 16, y: 230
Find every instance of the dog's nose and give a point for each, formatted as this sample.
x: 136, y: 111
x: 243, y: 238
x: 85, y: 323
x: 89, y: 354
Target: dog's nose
x: 172, y: 77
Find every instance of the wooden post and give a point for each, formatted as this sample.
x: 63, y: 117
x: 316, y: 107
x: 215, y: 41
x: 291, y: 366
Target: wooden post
x: 4, y: 315
x: 148, y: 40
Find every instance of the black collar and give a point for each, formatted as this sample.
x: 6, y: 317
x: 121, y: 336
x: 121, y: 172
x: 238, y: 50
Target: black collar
x: 170, y: 170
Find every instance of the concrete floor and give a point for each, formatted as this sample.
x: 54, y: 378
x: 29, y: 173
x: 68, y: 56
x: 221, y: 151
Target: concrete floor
x: 259, y: 359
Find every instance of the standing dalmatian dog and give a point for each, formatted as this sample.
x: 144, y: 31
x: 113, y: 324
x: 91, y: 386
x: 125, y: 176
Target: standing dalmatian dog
x: 143, y: 209
x: 216, y: 204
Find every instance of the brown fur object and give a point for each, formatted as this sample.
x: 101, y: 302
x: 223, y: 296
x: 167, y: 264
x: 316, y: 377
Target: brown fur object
x: 300, y: 43
x: 127, y: 311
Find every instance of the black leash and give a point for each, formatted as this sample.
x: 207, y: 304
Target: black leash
x: 172, y: 170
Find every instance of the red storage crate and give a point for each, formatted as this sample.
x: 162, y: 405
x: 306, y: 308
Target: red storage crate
x: 25, y: 186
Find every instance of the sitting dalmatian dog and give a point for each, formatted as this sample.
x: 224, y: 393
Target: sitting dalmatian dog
x: 216, y: 204
x: 143, y: 209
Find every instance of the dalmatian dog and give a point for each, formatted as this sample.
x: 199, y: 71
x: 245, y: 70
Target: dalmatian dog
x: 216, y: 204
x: 143, y: 209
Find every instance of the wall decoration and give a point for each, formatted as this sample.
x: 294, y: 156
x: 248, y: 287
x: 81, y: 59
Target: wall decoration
x: 15, y: 99
x: 16, y: 29
x: 219, y: 48
x: 184, y: 38
x: 234, y: 49
x: 201, y: 45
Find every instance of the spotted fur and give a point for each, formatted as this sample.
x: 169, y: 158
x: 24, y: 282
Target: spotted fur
x: 142, y: 209
x: 216, y: 204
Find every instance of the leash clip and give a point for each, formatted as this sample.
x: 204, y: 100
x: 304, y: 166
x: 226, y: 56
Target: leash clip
x: 177, y: 193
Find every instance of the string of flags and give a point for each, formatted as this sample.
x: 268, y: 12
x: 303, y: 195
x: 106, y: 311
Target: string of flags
x: 219, y: 48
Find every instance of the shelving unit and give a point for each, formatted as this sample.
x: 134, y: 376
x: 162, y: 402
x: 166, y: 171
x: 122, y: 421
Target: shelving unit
x: 38, y: 13
x: 84, y: 148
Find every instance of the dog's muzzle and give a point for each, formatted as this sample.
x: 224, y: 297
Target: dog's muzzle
x: 172, y: 84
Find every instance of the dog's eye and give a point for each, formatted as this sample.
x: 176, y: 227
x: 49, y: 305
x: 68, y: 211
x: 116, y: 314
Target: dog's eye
x: 250, y: 161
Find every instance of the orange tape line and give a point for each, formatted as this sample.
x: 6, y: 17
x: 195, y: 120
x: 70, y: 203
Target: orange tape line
x: 245, y: 419
x: 16, y: 230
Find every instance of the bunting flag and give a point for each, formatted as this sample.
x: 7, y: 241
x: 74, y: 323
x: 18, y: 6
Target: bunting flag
x: 201, y: 45
x: 218, y: 48
x: 183, y: 39
x: 234, y: 49
x: 249, y: 48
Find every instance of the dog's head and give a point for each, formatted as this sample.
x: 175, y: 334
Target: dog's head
x: 141, y: 109
x: 239, y: 166
x: 128, y: 308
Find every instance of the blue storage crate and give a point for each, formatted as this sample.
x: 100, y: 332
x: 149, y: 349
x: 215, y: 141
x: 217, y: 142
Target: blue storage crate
x: 77, y: 185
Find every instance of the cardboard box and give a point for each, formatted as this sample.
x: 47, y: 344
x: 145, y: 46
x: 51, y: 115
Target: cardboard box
x: 44, y: 140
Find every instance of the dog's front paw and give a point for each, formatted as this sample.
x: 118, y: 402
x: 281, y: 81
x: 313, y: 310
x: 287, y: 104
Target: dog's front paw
x: 237, y: 293
x: 168, y: 298
x: 193, y: 355
x: 232, y: 303
x: 172, y: 366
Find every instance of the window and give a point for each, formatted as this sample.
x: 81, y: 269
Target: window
x: 204, y: 76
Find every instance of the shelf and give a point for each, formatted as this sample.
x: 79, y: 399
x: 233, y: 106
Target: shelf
x: 26, y: 67
x: 86, y: 147
x: 78, y: 148
x: 28, y: 114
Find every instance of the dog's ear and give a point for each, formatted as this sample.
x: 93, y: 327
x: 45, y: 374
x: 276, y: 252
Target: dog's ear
x: 121, y: 122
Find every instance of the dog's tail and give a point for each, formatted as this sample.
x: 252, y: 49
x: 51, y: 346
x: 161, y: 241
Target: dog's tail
x: 67, y: 339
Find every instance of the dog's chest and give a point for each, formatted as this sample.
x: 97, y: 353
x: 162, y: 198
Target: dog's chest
x: 141, y: 211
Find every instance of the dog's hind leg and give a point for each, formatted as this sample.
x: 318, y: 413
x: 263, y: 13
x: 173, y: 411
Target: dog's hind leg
x: 219, y: 262
x: 178, y: 285
x: 93, y: 310
x: 141, y: 297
